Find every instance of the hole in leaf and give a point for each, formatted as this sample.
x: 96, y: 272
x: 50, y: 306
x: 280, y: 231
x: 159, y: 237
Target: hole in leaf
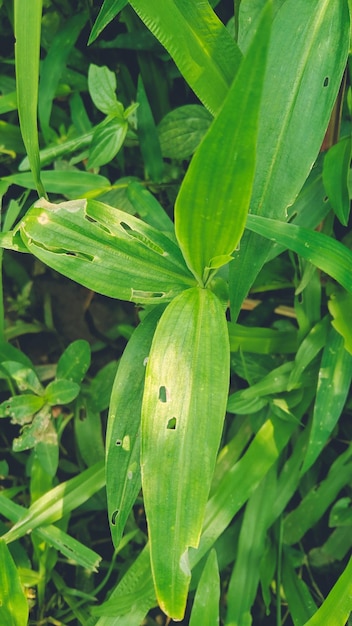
x: 171, y: 425
x: 326, y: 81
x: 126, y: 227
x: 325, y: 199
x: 118, y: 442
x: 82, y: 414
x: 162, y: 394
x: 114, y: 516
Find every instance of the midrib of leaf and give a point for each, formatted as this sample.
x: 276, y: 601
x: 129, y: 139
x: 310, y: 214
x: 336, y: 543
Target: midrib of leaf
x: 285, y: 124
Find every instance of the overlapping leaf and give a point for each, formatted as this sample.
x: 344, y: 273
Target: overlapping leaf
x: 212, y: 204
x: 182, y: 417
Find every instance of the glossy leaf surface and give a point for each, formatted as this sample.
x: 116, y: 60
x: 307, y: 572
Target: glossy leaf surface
x: 182, y: 418
x: 213, y: 201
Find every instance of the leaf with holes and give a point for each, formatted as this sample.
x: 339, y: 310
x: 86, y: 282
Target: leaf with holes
x: 183, y: 410
x: 106, y: 250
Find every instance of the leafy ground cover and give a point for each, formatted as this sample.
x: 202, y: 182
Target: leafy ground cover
x: 175, y: 339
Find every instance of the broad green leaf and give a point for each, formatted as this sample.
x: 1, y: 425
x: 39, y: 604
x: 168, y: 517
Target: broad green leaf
x: 123, y: 480
x: 337, y: 607
x: 53, y: 65
x: 206, y: 603
x: 324, y: 252
x: 61, y: 392
x: 198, y: 42
x: 302, y: 80
x: 337, y: 164
x: 213, y: 201
x: 74, y: 361
x: 109, y: 10
x: 71, y: 183
x: 59, y: 501
x: 54, y: 536
x: 13, y: 602
x: 181, y: 130
x: 27, y: 17
x: 318, y: 499
x: 102, y: 87
x: 106, y: 250
x: 334, y: 382
x: 340, y: 307
x: 182, y: 418
x: 148, y: 136
x: 24, y: 376
x: 54, y: 151
x: 106, y: 142
x: 21, y: 408
x: 88, y: 432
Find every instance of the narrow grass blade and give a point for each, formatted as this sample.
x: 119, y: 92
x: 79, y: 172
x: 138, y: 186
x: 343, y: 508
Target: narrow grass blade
x: 318, y: 499
x: 301, y: 85
x: 334, y: 382
x: 297, y: 594
x: 251, y: 546
x: 183, y: 410
x: 198, y: 42
x: 59, y: 501
x: 213, y: 201
x: 337, y: 164
x: 13, y: 602
x: 340, y: 307
x: 71, y: 184
x: 337, y: 607
x: 123, y: 476
x: 53, y: 66
x: 28, y: 17
x: 148, y: 136
x: 109, y: 10
x: 261, y: 340
x: 324, y: 252
x: 206, y: 604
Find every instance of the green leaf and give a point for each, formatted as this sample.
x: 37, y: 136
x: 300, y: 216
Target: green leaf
x: 61, y: 392
x: 261, y: 340
x: 106, y: 250
x: 148, y: 136
x: 109, y: 10
x: 13, y: 602
x: 102, y: 87
x: 182, y: 420
x: 322, y: 251
x: 340, y: 307
x: 148, y: 208
x: 21, y: 408
x: 181, y: 130
x: 337, y: 164
x: 212, y: 204
x: 318, y: 499
x: 59, y: 501
x: 334, y: 383
x: 71, y: 183
x: 123, y: 479
x: 106, y: 142
x: 74, y: 362
x: 205, y: 608
x: 53, y: 65
x: 54, y: 536
x: 337, y: 607
x: 302, y: 80
x: 198, y: 42
x: 27, y: 16
x: 299, y: 599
